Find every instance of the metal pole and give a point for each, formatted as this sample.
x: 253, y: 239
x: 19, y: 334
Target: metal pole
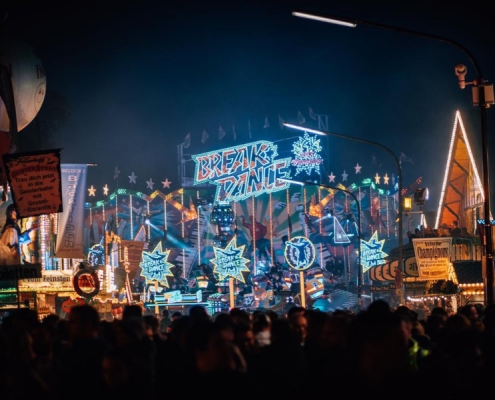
x: 399, y: 189
x: 487, y: 261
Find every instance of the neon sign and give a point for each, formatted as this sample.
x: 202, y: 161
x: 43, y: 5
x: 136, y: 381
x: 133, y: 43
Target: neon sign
x: 299, y: 253
x: 306, y: 151
x: 371, y: 252
x: 243, y: 171
x: 155, y: 266
x: 229, y: 262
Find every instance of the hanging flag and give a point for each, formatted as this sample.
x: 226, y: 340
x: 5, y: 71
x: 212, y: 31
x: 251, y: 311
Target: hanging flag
x: 312, y: 115
x: 70, y: 235
x: 300, y: 118
x: 116, y: 173
x: 267, y: 125
x: 233, y: 132
x: 249, y: 128
x: 187, y: 140
x: 405, y: 158
x: 281, y: 122
x: 221, y: 133
x: 205, y: 136
x: 374, y: 161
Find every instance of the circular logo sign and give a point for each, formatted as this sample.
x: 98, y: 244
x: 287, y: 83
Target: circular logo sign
x: 299, y: 253
x: 86, y: 283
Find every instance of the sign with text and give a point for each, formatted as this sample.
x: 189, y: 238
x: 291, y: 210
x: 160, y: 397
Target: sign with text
x: 21, y: 271
x: 35, y: 183
x: 243, y: 171
x: 433, y: 257
x: 51, y: 281
x: 70, y: 236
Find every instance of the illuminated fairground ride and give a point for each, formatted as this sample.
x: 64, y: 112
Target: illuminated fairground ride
x: 181, y: 223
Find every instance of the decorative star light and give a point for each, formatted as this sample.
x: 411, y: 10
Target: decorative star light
x: 155, y: 266
x: 132, y: 178
x: 229, y: 262
x: 377, y: 179
x: 386, y: 179
x: 371, y: 252
x: 344, y: 176
x: 150, y: 184
x: 105, y: 190
x: 166, y: 183
x: 331, y: 177
x: 92, y: 191
x: 358, y: 168
x: 307, y: 154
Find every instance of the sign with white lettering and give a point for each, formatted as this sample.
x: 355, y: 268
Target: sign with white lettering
x: 243, y: 171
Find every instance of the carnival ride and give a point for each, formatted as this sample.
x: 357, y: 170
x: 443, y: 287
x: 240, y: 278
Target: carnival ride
x: 182, y: 221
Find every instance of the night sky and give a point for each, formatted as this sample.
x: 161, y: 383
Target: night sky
x: 138, y: 78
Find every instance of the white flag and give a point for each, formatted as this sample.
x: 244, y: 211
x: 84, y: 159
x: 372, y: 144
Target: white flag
x: 187, y: 140
x: 281, y: 122
x: 221, y: 133
x: 267, y: 125
x: 300, y: 118
x: 205, y: 136
x: 312, y: 115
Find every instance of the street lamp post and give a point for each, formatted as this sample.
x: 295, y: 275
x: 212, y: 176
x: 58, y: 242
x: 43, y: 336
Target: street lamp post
x: 399, y: 189
x: 358, y: 206
x: 483, y: 103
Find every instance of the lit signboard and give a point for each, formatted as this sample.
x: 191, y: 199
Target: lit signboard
x: 243, y: 171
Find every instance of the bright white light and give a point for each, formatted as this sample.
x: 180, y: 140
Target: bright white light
x: 324, y: 19
x: 305, y: 129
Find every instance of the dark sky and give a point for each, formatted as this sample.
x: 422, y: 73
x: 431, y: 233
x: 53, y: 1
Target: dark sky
x: 138, y: 77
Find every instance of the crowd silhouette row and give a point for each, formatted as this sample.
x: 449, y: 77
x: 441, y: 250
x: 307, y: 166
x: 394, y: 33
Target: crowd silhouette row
x: 380, y: 351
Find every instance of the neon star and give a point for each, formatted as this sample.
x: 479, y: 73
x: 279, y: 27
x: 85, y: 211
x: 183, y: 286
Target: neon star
x: 92, y: 191
x: 386, y: 179
x: 166, y: 183
x: 132, y: 178
x: 344, y: 176
x: 105, y: 190
x: 331, y: 177
x: 150, y: 184
x: 377, y: 179
x: 358, y: 168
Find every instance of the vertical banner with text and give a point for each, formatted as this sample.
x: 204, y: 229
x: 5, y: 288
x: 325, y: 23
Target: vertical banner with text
x: 70, y: 237
x: 34, y: 180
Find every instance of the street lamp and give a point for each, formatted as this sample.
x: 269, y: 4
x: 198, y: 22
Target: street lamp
x: 358, y: 206
x: 483, y: 98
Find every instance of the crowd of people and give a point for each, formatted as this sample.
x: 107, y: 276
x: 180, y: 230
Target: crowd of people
x: 381, y: 351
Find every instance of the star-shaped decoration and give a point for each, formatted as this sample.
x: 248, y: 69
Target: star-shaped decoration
x: 386, y: 179
x: 166, y: 183
x: 105, y: 190
x: 92, y: 191
x: 150, y: 184
x: 377, y: 179
x: 331, y: 177
x: 344, y: 176
x: 372, y: 253
x: 155, y: 266
x: 132, y: 178
x: 358, y: 168
x: 229, y: 262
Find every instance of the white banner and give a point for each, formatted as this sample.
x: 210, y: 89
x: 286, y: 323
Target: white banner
x: 433, y: 257
x: 70, y: 237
